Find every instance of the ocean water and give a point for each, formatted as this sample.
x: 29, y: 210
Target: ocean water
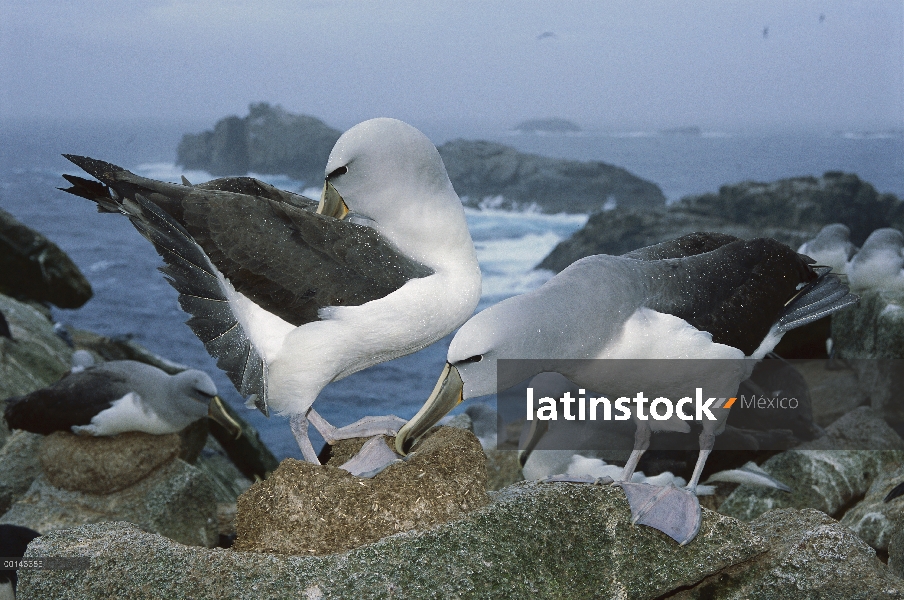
x: 131, y: 297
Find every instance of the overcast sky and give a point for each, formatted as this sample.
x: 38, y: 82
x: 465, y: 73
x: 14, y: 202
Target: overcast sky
x: 604, y: 64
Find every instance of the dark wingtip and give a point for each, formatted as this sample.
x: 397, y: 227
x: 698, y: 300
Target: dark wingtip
x: 97, y: 168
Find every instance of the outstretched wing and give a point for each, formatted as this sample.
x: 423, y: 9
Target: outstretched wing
x: 269, y: 244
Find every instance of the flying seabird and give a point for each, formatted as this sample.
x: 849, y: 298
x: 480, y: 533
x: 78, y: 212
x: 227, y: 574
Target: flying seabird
x: 14, y: 541
x: 116, y: 397
x: 290, y: 295
x: 733, y: 303
x: 831, y: 247
x: 880, y: 263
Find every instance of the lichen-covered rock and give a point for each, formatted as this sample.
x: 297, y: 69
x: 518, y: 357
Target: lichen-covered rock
x: 32, y: 267
x: 443, y: 478
x: 19, y: 466
x: 896, y: 554
x: 102, y: 465
x: 827, y: 473
x: 35, y: 357
x: 533, y: 541
x: 811, y: 556
x: 176, y: 501
x: 873, y: 519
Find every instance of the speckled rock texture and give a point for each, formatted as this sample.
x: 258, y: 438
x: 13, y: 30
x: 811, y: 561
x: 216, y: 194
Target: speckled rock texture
x: 533, y: 541
x: 819, y: 474
x: 19, y: 465
x: 896, y: 554
x: 176, y: 501
x: 811, y: 556
x: 443, y: 478
x: 102, y: 465
x: 873, y: 519
x: 35, y: 357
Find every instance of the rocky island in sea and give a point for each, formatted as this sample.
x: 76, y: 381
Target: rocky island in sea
x: 273, y: 141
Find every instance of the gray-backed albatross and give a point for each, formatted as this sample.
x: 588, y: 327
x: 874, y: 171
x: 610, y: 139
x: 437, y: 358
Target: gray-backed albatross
x: 116, y: 397
x: 717, y: 298
x: 290, y: 295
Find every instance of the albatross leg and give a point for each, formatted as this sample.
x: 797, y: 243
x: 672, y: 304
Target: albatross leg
x: 299, y: 425
x: 673, y: 511
x: 366, y: 427
x: 707, y: 439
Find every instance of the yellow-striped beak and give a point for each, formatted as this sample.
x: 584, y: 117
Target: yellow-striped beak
x: 331, y: 203
x: 447, y: 394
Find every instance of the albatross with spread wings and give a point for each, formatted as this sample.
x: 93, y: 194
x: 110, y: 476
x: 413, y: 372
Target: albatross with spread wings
x: 290, y: 295
x: 704, y: 296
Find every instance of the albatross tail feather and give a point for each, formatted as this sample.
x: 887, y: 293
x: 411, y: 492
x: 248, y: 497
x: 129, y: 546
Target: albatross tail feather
x: 816, y: 300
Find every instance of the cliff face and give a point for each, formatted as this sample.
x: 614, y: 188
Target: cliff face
x: 789, y: 210
x: 273, y: 141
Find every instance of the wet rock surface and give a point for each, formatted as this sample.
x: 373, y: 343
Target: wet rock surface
x: 176, y: 501
x: 102, y: 465
x: 443, y: 478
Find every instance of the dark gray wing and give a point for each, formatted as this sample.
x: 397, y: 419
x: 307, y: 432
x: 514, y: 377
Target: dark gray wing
x: 740, y: 290
x: 73, y: 400
x: 271, y: 246
x: 686, y: 245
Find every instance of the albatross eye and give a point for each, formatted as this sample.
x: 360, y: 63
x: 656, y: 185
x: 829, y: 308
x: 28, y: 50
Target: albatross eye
x: 472, y: 359
x: 337, y: 172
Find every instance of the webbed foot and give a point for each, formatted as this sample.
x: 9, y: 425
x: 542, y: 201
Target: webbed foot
x: 673, y: 511
x: 374, y: 456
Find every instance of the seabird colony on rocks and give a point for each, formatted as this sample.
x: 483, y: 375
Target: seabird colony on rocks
x: 705, y: 296
x: 880, y: 263
x: 831, y: 247
x: 290, y: 295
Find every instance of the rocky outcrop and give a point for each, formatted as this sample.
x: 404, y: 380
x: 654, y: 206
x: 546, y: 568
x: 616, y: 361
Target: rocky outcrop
x: 533, y: 541
x: 19, y: 466
x: 789, y: 210
x: 498, y: 176
x: 176, y: 501
x: 829, y: 473
x: 34, y: 268
x: 269, y: 140
x: 811, y: 556
x: 35, y: 356
x: 874, y: 519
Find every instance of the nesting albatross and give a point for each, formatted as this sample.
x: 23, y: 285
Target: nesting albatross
x: 116, y: 397
x: 728, y: 299
x: 290, y: 295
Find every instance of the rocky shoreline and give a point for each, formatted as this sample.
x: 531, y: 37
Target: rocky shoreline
x: 273, y: 141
